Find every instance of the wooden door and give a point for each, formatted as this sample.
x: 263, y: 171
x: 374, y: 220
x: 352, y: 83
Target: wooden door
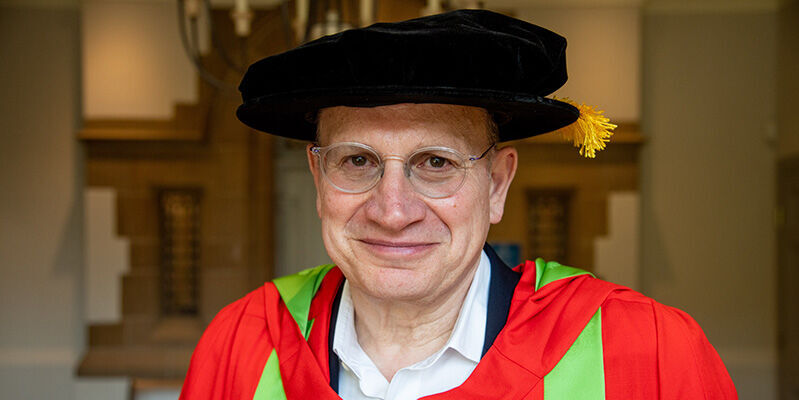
x: 788, y: 278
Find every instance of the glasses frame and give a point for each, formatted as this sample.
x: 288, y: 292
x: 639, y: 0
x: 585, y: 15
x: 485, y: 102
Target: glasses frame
x: 468, y: 162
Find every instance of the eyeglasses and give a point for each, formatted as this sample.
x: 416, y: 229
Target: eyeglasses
x: 435, y: 172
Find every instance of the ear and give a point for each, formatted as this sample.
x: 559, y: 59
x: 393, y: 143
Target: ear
x: 503, y: 169
x: 313, y: 165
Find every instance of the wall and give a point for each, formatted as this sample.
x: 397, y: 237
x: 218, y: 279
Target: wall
x: 106, y: 255
x: 41, y: 332
x: 708, y: 181
x: 298, y: 245
x: 134, y: 65
x: 41, y: 207
x: 603, y: 55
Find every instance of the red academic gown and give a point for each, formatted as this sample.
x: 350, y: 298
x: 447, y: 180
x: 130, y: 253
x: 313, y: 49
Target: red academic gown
x: 650, y: 351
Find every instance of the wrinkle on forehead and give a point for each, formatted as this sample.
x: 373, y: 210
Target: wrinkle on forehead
x: 467, y: 124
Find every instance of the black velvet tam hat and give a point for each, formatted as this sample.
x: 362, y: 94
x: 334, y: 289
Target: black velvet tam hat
x: 467, y: 57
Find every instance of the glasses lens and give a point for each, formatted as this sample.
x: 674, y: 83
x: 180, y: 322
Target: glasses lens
x: 437, y: 172
x: 351, y: 168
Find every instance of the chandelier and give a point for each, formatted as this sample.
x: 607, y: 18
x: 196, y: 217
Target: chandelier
x: 312, y: 19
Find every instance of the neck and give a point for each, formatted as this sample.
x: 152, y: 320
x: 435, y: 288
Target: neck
x: 396, y: 334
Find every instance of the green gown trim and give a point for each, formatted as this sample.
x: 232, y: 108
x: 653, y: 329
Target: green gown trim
x: 298, y: 290
x: 580, y: 374
x: 270, y: 386
x: 548, y: 272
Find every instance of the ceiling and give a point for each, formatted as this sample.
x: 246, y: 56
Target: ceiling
x: 649, y: 5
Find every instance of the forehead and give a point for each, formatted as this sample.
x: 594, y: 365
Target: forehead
x: 422, y: 124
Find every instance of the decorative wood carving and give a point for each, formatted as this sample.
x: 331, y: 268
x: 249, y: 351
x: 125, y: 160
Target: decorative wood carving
x: 179, y: 222
x: 548, y: 223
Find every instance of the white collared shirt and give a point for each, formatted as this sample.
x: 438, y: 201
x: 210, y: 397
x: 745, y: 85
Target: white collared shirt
x: 447, y: 368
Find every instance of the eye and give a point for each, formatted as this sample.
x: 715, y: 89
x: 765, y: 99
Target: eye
x: 358, y: 161
x: 436, y: 161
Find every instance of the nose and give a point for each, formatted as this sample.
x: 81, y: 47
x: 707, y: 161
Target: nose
x: 393, y: 204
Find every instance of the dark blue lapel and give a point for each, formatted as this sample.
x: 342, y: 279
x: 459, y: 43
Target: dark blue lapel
x: 500, y: 292
x: 333, y: 361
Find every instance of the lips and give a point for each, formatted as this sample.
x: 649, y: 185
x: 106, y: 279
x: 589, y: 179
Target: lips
x: 396, y: 248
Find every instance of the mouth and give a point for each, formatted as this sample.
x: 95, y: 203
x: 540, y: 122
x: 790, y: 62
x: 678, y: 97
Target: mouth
x: 396, y: 248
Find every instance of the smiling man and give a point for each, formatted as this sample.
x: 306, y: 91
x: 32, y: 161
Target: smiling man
x: 404, y: 122
x: 405, y: 212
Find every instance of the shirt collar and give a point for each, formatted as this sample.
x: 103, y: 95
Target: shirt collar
x: 469, y: 331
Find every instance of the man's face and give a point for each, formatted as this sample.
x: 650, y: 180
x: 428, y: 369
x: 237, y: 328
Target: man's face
x: 391, y: 242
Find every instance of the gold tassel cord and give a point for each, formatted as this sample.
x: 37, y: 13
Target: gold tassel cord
x: 591, y: 132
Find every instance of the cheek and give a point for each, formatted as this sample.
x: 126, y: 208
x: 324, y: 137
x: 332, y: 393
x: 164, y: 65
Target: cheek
x: 337, y: 211
x: 331, y: 210
x: 335, y: 204
x: 467, y: 213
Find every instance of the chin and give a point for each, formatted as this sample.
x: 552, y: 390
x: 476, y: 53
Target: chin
x: 398, y: 294
x: 396, y: 284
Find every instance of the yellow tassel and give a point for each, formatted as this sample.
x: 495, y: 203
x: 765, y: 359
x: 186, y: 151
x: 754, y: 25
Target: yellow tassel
x: 591, y: 132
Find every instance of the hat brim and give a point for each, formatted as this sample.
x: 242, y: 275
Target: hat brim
x: 287, y: 114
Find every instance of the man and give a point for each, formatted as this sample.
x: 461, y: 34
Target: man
x: 404, y: 121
